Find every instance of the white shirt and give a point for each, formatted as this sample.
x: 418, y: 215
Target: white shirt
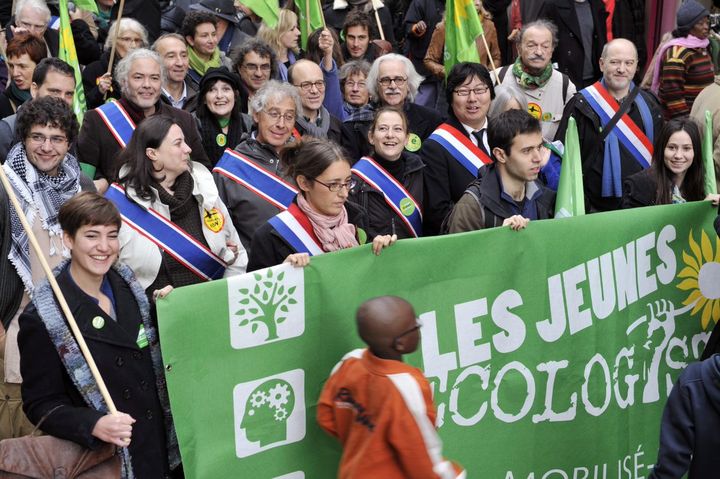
x: 179, y: 104
x: 483, y: 128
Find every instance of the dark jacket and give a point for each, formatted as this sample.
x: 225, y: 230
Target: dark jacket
x: 569, y: 53
x: 11, y: 286
x: 126, y: 369
x: 147, y: 12
x: 247, y: 209
x: 371, y: 54
x: 270, y: 249
x: 91, y: 73
x: 422, y: 121
x: 483, y: 206
x: 445, y: 180
x: 431, y: 12
x: 382, y: 220
x: 499, y: 11
x: 592, y: 150
x: 639, y: 190
x: 689, y: 438
x: 99, y: 148
x: 334, y: 131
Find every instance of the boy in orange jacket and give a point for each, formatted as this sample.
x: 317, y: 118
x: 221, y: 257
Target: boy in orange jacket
x: 380, y: 408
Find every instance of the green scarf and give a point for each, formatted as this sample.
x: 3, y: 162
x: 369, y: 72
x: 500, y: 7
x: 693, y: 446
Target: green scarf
x: 201, y: 66
x: 527, y: 80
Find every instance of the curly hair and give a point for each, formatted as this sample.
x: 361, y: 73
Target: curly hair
x: 261, y: 48
x: 193, y: 19
x: 47, y: 111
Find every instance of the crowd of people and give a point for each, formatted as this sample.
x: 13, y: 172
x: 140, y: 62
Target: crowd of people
x: 225, y: 147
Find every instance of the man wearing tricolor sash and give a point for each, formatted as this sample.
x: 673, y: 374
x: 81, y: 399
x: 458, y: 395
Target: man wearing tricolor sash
x: 250, y: 179
x: 106, y: 130
x: 613, y: 147
x: 456, y: 150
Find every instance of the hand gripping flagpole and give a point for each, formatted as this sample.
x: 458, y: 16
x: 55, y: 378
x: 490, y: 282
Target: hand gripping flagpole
x: 115, y: 40
x: 58, y: 294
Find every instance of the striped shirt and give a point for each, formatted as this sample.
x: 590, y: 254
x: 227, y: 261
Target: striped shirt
x: 685, y: 72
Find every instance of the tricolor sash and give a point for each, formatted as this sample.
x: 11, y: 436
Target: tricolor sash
x: 396, y: 196
x: 167, y: 236
x: 461, y: 148
x: 118, y: 121
x: 630, y: 135
x: 263, y: 183
x: 291, y: 230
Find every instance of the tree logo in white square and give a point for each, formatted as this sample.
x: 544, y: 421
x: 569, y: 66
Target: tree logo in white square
x: 266, y: 306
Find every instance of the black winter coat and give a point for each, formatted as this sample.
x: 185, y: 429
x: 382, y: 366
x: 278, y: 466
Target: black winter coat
x: 639, y: 190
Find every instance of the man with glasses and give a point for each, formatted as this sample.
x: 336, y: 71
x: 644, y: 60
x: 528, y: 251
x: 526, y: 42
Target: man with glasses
x: 256, y: 63
x: 176, y: 90
x: 508, y: 192
x: 610, y: 153
x: 43, y: 176
x: 250, y: 179
x: 547, y: 90
x: 458, y: 148
x: 315, y: 120
x: 393, y: 81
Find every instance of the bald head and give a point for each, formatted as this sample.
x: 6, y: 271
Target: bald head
x: 619, y: 63
x: 310, y: 83
x: 386, y: 325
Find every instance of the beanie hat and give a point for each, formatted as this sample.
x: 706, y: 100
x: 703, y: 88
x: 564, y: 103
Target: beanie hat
x: 689, y: 14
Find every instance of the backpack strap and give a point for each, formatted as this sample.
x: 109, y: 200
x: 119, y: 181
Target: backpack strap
x: 502, y: 73
x: 565, y: 86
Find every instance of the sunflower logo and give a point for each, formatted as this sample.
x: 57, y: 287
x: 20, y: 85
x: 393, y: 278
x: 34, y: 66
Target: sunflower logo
x: 702, y: 278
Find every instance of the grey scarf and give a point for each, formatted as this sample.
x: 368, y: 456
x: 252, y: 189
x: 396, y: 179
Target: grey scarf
x: 312, y: 129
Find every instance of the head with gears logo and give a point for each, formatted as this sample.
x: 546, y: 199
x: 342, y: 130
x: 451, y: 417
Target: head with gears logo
x: 267, y: 411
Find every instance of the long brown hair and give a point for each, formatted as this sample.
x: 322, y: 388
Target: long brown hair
x: 693, y: 185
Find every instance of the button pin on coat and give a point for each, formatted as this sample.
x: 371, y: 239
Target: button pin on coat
x: 98, y: 322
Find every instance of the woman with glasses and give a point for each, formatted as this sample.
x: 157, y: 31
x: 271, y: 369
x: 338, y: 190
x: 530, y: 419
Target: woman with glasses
x: 390, y: 180
x: 180, y: 233
x: 320, y: 219
x: 249, y: 178
x: 98, y: 84
x: 218, y: 116
x: 284, y: 39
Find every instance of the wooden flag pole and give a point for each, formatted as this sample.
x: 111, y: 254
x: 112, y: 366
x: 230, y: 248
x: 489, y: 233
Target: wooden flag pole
x: 492, y: 63
x: 115, y: 40
x: 58, y: 294
x: 377, y: 20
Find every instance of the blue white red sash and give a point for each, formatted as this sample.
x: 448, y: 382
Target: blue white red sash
x: 292, y: 231
x: 118, y: 121
x: 630, y: 135
x: 396, y: 196
x: 263, y: 183
x: 167, y: 236
x: 461, y: 148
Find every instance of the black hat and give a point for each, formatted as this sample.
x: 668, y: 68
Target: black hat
x: 224, y: 9
x: 221, y: 73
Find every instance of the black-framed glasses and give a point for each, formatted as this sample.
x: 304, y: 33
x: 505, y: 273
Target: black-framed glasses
x: 307, y: 85
x: 417, y: 326
x: 386, y: 81
x: 481, y: 90
x: 335, y: 186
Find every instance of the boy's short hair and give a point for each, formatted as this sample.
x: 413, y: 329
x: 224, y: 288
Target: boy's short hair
x: 357, y: 18
x: 503, y: 129
x: 87, y: 208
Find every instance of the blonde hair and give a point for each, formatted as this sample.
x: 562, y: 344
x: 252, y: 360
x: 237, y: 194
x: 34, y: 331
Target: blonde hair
x: 287, y: 19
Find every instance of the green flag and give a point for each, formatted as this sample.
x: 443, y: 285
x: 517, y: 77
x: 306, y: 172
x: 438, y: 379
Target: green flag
x: 309, y: 9
x: 707, y: 152
x: 570, y: 196
x: 87, y: 5
x: 462, y: 27
x: 265, y: 9
x: 68, y: 54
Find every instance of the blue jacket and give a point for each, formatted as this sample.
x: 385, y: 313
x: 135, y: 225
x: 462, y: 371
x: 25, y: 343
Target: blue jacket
x: 690, y: 431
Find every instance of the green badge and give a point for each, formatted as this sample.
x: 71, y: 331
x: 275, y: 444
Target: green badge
x: 142, y: 340
x: 407, y: 206
x: 221, y: 139
x: 98, y: 322
x: 361, y: 236
x: 414, y: 143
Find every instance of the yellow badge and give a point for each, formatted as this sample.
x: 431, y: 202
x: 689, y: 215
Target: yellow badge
x: 414, y: 143
x: 214, y: 220
x: 535, y: 110
x: 221, y: 139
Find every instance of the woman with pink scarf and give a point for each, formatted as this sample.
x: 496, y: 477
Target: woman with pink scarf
x: 319, y: 220
x: 683, y: 65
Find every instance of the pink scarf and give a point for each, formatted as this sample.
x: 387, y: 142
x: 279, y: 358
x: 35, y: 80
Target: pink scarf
x: 690, y: 41
x: 334, y: 232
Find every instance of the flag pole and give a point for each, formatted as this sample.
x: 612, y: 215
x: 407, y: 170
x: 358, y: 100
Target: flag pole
x: 492, y: 63
x: 377, y: 20
x: 115, y: 39
x: 308, y: 27
x: 58, y: 294
x: 322, y: 14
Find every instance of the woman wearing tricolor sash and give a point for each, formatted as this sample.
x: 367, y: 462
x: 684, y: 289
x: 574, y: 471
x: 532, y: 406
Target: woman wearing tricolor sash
x: 176, y: 230
x: 320, y: 220
x: 390, y: 181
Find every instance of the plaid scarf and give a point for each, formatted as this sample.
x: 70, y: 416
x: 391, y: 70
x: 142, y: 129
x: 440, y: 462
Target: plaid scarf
x: 40, y: 194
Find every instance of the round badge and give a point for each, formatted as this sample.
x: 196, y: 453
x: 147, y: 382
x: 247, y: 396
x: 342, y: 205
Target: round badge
x: 214, y: 220
x: 547, y: 116
x: 414, y: 143
x: 407, y: 206
x: 221, y: 139
x: 535, y: 110
x: 98, y: 322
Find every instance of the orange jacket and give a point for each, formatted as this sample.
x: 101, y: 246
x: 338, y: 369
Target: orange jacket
x: 382, y: 413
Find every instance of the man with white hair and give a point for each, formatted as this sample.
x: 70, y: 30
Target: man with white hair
x: 107, y: 129
x: 33, y: 16
x: 392, y: 81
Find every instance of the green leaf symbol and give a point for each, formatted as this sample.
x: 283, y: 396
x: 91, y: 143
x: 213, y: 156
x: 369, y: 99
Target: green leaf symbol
x: 292, y: 290
x: 292, y: 301
x: 244, y: 322
x: 281, y: 276
x: 240, y: 312
x: 254, y: 328
x: 280, y: 319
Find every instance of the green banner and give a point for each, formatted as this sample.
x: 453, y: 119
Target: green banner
x: 551, y: 351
